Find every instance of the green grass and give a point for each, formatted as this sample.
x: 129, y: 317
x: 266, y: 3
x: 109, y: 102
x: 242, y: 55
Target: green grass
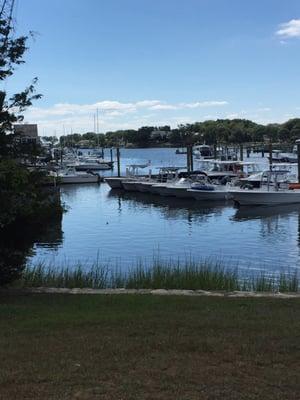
x: 148, y: 347
x: 160, y: 275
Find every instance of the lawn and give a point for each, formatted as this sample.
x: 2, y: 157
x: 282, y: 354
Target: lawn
x: 148, y: 347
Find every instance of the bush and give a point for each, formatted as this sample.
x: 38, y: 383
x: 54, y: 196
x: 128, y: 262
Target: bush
x: 24, y: 202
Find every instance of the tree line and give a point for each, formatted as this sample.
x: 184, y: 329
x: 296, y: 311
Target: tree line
x: 225, y: 131
x: 26, y: 205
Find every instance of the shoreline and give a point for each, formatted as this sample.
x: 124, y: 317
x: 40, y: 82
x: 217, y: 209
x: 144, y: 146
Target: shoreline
x: 153, y: 292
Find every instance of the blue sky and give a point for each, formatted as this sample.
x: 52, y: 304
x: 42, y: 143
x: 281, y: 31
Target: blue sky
x: 143, y: 62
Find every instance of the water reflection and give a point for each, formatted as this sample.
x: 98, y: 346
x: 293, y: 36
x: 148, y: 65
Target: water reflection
x: 17, y: 245
x: 71, y: 191
x: 277, y: 224
x: 169, y: 207
x: 51, y: 235
x: 125, y: 226
x: 129, y: 226
x: 262, y: 212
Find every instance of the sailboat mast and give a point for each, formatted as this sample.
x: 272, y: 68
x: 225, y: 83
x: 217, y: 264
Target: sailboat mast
x: 97, y: 120
x: 97, y: 127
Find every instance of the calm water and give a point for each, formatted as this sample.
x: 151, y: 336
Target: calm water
x: 119, y: 227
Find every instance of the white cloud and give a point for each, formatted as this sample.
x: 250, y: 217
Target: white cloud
x: 112, y: 114
x: 181, y: 106
x: 164, y: 107
x: 209, y: 117
x: 289, y: 29
x: 204, y: 104
x: 112, y: 108
x: 147, y: 103
x: 264, y: 109
x: 233, y: 116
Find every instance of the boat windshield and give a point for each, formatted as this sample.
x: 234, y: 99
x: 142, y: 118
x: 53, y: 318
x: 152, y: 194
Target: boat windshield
x: 224, y: 166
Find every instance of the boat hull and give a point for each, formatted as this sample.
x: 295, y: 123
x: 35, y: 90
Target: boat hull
x: 129, y: 186
x: 92, y: 167
x: 212, y: 195
x: 145, y: 187
x: 157, y: 189
x: 114, y: 183
x: 63, y: 180
x: 139, y: 186
x: 180, y: 192
x: 265, y: 198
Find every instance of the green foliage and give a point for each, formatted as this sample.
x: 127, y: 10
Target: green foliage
x: 12, y: 263
x: 11, y: 106
x: 23, y: 199
x: 189, y: 274
x: 24, y: 202
x: 22, y: 196
x: 51, y: 139
x: 224, y: 131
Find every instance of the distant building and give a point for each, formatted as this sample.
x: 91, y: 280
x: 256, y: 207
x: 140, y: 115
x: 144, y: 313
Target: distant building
x: 159, y: 134
x: 84, y: 143
x: 27, y: 132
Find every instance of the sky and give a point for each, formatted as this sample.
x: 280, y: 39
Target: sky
x: 158, y: 62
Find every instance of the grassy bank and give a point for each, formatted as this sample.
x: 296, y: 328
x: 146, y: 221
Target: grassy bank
x: 143, y: 347
x: 160, y: 275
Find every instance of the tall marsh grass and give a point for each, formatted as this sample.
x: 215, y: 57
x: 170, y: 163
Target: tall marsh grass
x: 191, y: 275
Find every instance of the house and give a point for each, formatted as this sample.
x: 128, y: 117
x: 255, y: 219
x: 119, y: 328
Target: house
x: 157, y: 134
x: 27, y: 132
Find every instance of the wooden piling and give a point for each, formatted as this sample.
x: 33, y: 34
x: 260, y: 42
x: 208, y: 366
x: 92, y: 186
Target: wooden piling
x: 191, y: 159
x: 118, y: 162
x: 241, y: 153
x: 215, y: 151
x: 188, y: 163
x: 270, y: 154
x: 298, y: 156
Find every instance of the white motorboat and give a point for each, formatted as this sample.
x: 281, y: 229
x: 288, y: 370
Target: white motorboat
x: 71, y: 176
x: 132, y: 173
x: 179, y: 187
x: 199, y: 151
x: 279, y: 156
x: 285, y: 172
x: 83, y: 163
x: 202, y: 151
x: 181, y: 151
x: 96, y: 159
x: 204, y: 192
x: 92, y: 164
x: 176, y: 189
x: 152, y: 184
x: 190, y: 187
x: 221, y: 170
x: 265, y: 197
x: 273, y: 193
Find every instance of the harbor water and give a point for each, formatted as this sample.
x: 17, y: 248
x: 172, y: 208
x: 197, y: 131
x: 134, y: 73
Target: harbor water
x: 122, y: 229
